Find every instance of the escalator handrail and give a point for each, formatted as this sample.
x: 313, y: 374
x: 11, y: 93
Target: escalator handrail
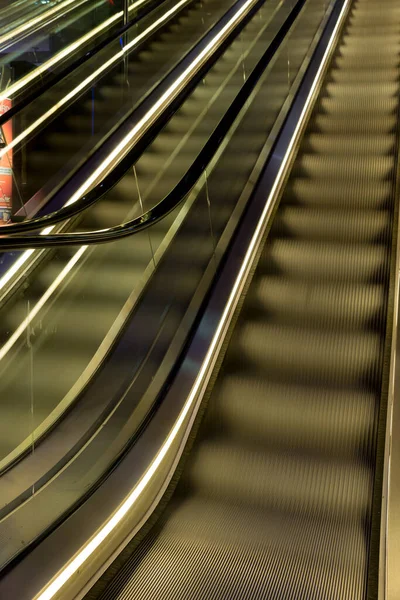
x: 181, y: 190
x: 52, y: 79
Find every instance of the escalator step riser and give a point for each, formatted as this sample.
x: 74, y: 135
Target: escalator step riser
x: 308, y: 193
x: 308, y: 356
x: 332, y: 225
x: 294, y: 418
x: 374, y: 145
x: 315, y: 304
x: 357, y: 125
x: 327, y: 262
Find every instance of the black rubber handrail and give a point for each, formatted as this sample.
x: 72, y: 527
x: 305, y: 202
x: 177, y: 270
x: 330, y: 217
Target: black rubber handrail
x: 110, y: 180
x: 54, y: 79
x: 174, y: 198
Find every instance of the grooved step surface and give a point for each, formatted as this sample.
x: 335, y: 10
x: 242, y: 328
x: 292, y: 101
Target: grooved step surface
x: 275, y: 500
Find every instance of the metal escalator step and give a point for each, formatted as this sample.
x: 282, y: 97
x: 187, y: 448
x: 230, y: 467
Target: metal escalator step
x: 378, y: 56
x: 375, y: 40
x: 376, y: 90
x: 333, y: 225
x: 353, y: 105
x: 376, y: 61
x: 359, y: 263
x: 369, y: 14
x: 310, y: 193
x: 373, y: 13
x: 292, y: 417
x: 372, y: 25
x: 360, y: 46
x: 354, y: 123
x: 233, y: 474
x: 316, y: 166
x: 317, y: 304
x: 218, y: 551
x: 333, y: 144
x: 357, y: 76
x: 308, y: 355
x: 366, y: 29
x: 275, y: 500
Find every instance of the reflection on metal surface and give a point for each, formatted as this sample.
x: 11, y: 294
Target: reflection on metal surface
x: 204, y: 372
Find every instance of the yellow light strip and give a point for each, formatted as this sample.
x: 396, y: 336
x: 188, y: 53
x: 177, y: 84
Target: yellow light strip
x: 105, y: 531
x: 16, y: 87
x: 89, y: 79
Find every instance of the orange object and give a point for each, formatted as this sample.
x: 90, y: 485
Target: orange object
x: 6, y: 173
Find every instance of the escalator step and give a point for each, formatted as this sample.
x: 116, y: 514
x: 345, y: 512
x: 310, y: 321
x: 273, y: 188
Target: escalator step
x: 309, y: 193
x: 330, y: 224
x: 292, y: 417
x: 219, y: 551
x: 312, y: 260
x: 317, y: 304
x: 374, y: 145
x: 267, y: 476
x: 354, y: 123
x: 316, y: 166
x: 307, y: 355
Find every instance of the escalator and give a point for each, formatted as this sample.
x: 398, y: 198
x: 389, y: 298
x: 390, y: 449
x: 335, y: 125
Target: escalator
x: 275, y: 499
x: 71, y: 331
x: 63, y: 143
x: 61, y: 429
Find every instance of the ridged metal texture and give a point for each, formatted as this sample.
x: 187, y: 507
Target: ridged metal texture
x: 275, y: 499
